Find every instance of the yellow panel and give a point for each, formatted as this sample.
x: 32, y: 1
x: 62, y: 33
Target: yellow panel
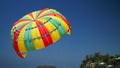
x: 39, y: 44
x: 12, y: 31
x: 22, y: 22
x: 24, y: 55
x: 34, y: 14
x: 44, y: 12
x: 21, y: 44
x: 19, y: 24
x: 27, y: 17
x: 54, y: 35
x: 62, y: 22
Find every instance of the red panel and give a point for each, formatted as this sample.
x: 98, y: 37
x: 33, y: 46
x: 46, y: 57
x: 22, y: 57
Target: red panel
x: 43, y: 11
x: 31, y: 15
x: 65, y: 20
x: 15, y: 43
x: 19, y: 22
x: 55, y: 14
x: 43, y: 31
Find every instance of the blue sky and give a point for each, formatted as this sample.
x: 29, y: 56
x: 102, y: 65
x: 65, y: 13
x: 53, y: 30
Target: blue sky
x: 95, y: 28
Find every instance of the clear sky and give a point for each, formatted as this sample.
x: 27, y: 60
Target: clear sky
x: 95, y: 28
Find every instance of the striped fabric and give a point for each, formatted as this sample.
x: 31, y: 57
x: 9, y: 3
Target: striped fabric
x: 38, y: 30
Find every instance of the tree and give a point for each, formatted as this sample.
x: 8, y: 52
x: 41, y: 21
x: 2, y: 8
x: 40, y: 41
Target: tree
x: 97, y: 60
x: 45, y: 66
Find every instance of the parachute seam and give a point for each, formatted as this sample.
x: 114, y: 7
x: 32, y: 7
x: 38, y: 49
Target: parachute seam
x: 38, y: 25
x: 17, y: 31
x: 47, y: 34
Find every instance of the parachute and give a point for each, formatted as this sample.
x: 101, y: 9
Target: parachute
x: 37, y: 30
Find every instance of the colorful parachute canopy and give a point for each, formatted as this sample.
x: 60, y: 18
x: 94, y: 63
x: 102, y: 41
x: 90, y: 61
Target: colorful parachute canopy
x: 38, y: 30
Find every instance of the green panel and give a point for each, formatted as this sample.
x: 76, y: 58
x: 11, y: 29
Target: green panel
x: 37, y: 12
x: 58, y: 26
x: 12, y: 33
x: 28, y: 39
x: 47, y: 13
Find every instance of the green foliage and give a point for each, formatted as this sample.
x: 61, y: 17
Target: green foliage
x: 46, y: 66
x: 97, y: 60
